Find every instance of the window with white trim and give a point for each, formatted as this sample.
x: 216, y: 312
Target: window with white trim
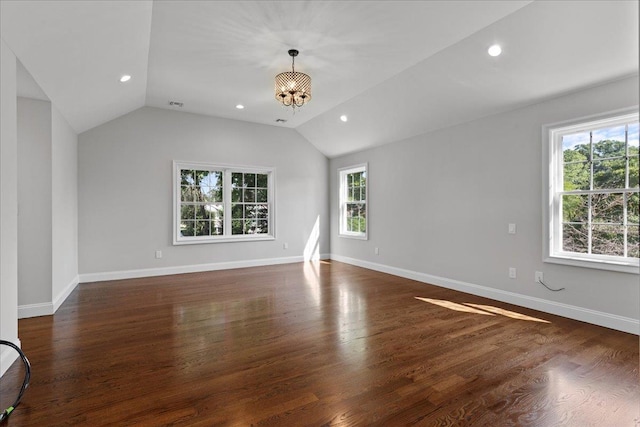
x: 221, y: 203
x: 592, y: 206
x: 353, y: 201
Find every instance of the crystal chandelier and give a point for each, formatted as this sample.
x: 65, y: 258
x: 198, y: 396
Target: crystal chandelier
x: 293, y: 89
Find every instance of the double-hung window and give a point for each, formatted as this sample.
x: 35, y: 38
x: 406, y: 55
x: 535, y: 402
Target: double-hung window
x: 591, y: 211
x: 221, y: 203
x: 353, y: 201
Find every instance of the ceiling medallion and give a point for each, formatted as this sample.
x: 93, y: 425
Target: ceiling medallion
x: 293, y: 89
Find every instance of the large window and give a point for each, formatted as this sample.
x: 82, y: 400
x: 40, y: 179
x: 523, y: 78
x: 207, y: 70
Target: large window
x: 592, y: 209
x: 215, y: 203
x: 353, y: 201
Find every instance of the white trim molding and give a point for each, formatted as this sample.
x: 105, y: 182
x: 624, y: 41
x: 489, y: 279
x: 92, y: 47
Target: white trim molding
x: 47, y: 308
x: 554, y: 190
x: 181, y: 269
x: 8, y: 356
x: 57, y: 302
x: 35, y: 310
x: 608, y: 320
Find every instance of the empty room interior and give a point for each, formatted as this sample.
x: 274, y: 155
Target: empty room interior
x: 319, y: 213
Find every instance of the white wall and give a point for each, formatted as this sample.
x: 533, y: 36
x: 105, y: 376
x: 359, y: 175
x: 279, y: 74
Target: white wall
x: 440, y: 203
x: 34, y: 202
x: 8, y: 206
x: 125, y: 191
x: 64, y: 188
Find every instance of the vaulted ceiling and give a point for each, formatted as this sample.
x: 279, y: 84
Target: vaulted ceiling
x: 394, y: 68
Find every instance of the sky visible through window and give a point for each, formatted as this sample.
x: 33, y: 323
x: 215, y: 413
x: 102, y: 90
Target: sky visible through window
x: 615, y: 133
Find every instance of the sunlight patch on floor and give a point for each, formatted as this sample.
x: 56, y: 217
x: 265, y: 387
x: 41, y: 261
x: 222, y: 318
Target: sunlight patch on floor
x: 508, y: 313
x: 486, y: 310
x: 454, y: 306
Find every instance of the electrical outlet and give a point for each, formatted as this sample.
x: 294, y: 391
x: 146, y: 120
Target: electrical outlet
x: 158, y: 254
x: 376, y: 251
x: 285, y: 246
x: 512, y: 229
x: 539, y: 277
x: 512, y: 272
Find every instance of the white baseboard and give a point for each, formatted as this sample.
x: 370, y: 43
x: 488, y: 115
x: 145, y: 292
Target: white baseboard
x: 7, y: 356
x: 608, y: 320
x: 35, y: 310
x: 62, y: 296
x: 165, y: 271
x: 47, y: 308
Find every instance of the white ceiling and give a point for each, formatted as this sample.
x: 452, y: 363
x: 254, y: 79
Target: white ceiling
x: 396, y: 68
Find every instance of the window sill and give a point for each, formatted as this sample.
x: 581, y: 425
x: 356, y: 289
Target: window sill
x: 622, y: 267
x: 354, y: 236
x: 225, y: 239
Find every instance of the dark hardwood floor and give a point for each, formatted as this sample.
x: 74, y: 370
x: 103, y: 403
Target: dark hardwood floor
x: 316, y: 344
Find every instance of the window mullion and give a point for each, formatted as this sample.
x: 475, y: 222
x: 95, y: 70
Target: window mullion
x: 226, y: 197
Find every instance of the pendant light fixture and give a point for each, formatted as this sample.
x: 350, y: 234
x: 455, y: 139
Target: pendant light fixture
x: 293, y: 89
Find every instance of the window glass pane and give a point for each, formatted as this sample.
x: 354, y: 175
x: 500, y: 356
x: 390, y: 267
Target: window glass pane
x: 236, y: 226
x: 576, y: 176
x: 632, y: 135
x: 186, y: 177
x: 607, y: 240
x: 261, y: 195
x: 197, y: 195
x: 249, y: 211
x: 350, y: 195
x: 216, y: 211
x: 187, y: 228
x: 212, y: 179
x: 201, y: 212
x: 202, y: 228
x: 249, y: 226
x: 575, y: 238
x: 608, y: 142
x: 262, y: 211
x: 356, y: 194
x: 608, y: 174
x: 607, y: 208
x: 186, y: 193
x: 575, y: 147
x: 633, y: 213
x: 263, y: 227
x: 633, y: 241
x: 237, y: 210
x: 236, y: 195
x: 187, y: 212
x: 236, y: 180
x: 633, y: 171
x: 249, y: 195
x: 575, y: 208
x: 250, y: 180
x: 262, y: 180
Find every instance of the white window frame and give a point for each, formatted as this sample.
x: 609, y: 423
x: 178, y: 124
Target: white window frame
x: 227, y: 170
x: 342, y: 201
x: 552, y: 165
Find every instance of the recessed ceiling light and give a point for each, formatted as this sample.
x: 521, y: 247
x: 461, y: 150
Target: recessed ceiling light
x: 240, y: 107
x: 344, y: 118
x: 495, y: 50
x: 125, y: 78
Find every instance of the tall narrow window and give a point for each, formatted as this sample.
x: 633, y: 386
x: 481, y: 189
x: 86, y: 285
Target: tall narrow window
x: 593, y: 193
x: 353, y: 201
x: 216, y: 203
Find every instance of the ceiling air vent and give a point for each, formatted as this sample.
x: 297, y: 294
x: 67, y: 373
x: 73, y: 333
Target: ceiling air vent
x: 176, y: 104
x: 281, y: 121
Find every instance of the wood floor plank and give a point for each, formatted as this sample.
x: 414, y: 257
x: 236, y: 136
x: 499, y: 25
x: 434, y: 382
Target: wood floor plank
x: 316, y: 344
